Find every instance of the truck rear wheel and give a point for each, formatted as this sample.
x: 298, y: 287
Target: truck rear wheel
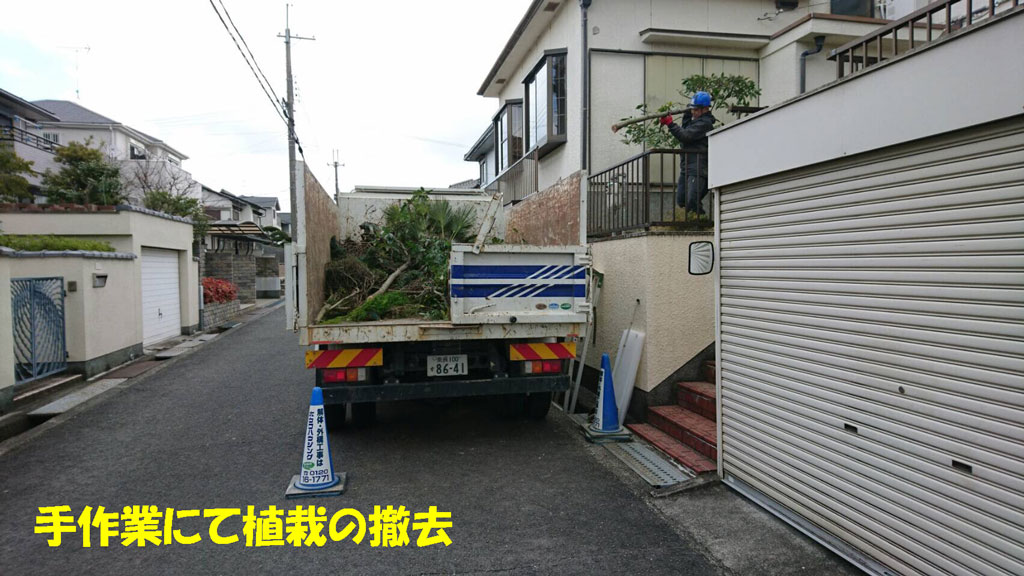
x: 364, y: 414
x: 537, y: 405
x: 335, y: 416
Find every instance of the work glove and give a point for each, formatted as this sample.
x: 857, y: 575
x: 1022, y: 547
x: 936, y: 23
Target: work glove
x: 666, y: 120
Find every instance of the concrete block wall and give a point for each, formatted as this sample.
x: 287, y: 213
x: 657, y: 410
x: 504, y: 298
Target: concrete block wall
x: 239, y: 269
x: 547, y: 218
x: 217, y: 313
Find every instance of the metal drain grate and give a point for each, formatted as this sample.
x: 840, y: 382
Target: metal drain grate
x: 650, y: 465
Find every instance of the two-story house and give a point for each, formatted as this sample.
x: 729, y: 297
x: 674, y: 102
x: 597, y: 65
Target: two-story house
x: 571, y: 70
x: 146, y: 163
x: 270, y: 206
x: 17, y: 118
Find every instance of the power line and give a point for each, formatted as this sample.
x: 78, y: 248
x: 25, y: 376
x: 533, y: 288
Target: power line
x: 250, y: 65
x: 246, y: 44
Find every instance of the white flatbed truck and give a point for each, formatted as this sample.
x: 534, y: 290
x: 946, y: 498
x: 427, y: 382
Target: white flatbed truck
x: 515, y: 313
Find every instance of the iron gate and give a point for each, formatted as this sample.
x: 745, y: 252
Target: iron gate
x: 37, y: 310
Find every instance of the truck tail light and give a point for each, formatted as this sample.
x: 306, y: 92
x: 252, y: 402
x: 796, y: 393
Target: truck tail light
x: 542, y: 366
x: 334, y: 375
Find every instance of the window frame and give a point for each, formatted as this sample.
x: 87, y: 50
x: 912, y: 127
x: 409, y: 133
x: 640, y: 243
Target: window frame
x: 502, y: 125
x: 134, y: 145
x: 552, y: 140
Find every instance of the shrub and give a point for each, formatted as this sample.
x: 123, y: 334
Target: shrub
x: 34, y: 243
x: 86, y: 176
x: 217, y: 291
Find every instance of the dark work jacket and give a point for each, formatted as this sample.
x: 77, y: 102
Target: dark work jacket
x: 693, y: 136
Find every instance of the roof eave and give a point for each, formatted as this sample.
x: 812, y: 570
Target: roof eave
x: 531, y: 12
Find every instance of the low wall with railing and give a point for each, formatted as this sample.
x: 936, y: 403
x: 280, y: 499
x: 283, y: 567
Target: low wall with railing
x: 640, y: 194
x: 547, y: 218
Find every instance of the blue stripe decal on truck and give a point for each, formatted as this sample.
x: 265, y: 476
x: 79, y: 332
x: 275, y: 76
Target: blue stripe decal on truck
x: 488, y: 290
x: 464, y: 272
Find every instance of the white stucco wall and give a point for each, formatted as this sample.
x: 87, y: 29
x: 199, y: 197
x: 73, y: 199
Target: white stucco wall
x: 675, y: 310
x: 126, y: 231
x: 618, y: 86
x: 98, y: 321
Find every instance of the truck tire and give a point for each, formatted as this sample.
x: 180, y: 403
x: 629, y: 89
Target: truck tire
x: 364, y: 414
x: 537, y: 405
x: 334, y: 414
x: 512, y: 405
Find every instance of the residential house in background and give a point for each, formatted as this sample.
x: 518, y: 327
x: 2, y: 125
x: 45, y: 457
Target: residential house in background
x: 236, y: 244
x: 483, y: 153
x: 18, y: 118
x: 146, y: 162
x: 270, y: 206
x: 285, y: 219
x: 568, y: 73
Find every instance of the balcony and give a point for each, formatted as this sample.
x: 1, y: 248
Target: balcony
x: 17, y: 135
x: 938, y: 20
x: 639, y: 195
x: 517, y: 181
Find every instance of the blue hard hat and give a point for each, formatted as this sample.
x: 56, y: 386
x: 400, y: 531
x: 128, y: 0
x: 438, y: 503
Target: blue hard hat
x: 701, y: 100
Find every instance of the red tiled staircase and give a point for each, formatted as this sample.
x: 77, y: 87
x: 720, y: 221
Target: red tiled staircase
x: 686, y: 431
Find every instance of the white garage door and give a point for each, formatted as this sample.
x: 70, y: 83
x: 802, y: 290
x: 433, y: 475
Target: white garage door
x: 872, y: 351
x: 161, y: 312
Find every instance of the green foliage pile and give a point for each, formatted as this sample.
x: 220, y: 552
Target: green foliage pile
x: 418, y: 234
x: 13, y: 168
x: 85, y: 177
x: 179, y: 205
x: 726, y: 90
x: 31, y: 243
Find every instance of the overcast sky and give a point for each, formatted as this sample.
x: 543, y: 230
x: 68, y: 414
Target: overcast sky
x: 390, y: 85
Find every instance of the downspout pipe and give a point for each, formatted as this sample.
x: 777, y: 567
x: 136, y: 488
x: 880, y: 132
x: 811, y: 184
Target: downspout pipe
x: 585, y: 83
x: 819, y: 43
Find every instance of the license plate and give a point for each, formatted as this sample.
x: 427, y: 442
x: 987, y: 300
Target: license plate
x: 455, y: 365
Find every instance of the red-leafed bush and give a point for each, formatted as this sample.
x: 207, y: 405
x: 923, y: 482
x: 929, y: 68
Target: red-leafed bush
x: 216, y: 291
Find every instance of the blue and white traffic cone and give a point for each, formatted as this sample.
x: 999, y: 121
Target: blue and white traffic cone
x: 606, y: 425
x: 316, y: 477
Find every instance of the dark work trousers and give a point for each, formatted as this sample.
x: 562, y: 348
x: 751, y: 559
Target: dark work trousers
x: 692, y: 187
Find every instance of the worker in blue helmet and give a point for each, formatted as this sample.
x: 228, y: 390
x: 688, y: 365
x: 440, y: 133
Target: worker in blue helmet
x: 692, y: 134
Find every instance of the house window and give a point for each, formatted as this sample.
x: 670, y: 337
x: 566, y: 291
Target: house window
x: 236, y: 215
x: 864, y: 8
x: 546, y: 103
x: 136, y: 151
x: 51, y: 137
x: 508, y: 131
x: 483, y: 172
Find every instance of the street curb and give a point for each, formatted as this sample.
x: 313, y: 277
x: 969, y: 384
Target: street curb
x: 16, y: 442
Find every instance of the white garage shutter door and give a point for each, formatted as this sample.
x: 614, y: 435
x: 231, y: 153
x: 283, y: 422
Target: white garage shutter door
x: 872, y: 351
x: 161, y: 313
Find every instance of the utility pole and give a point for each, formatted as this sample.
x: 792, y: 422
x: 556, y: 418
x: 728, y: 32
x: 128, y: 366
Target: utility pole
x: 336, y: 164
x: 290, y: 105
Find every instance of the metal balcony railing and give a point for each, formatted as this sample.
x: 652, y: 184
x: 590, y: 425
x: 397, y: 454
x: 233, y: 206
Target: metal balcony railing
x: 12, y: 134
x: 640, y: 194
x: 936, y: 20
x: 517, y: 181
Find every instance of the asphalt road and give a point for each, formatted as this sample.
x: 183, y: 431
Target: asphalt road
x: 223, y: 428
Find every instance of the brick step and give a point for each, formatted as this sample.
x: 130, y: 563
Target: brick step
x: 681, y: 453
x: 709, y: 370
x: 688, y: 427
x: 698, y: 397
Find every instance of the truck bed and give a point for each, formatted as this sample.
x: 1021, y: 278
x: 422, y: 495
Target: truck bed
x: 413, y: 330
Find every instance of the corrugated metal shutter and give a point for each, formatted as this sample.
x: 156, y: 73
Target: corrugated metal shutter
x: 161, y: 304
x: 872, y: 350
